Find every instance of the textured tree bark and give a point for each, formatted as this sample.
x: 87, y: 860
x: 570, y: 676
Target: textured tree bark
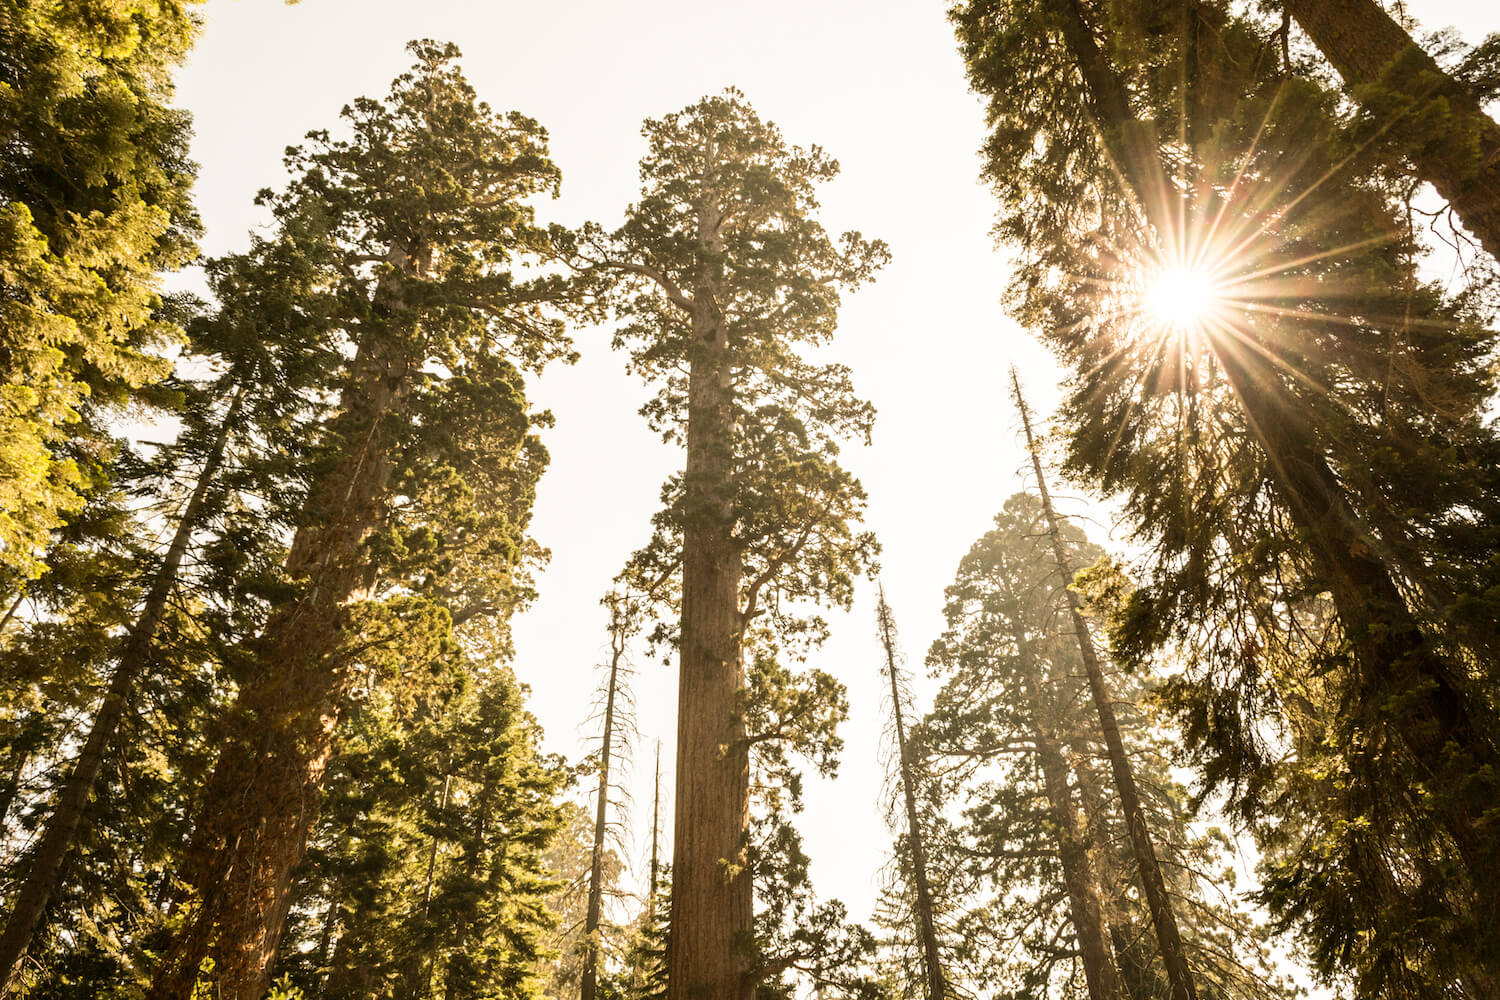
x: 1148, y: 870
x: 1461, y: 156
x: 1137, y: 979
x: 590, y: 985
x: 936, y: 984
x: 263, y: 795
x: 62, y: 828
x: 711, y: 943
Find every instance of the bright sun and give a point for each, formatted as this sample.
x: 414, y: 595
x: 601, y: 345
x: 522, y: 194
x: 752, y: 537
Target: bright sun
x: 1181, y: 297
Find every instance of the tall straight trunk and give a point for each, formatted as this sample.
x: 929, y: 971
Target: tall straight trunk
x: 1435, y: 120
x: 933, y: 979
x: 655, y: 830
x: 57, y: 839
x: 1148, y: 871
x: 710, y: 948
x: 263, y: 796
x: 590, y: 986
x: 1085, y: 910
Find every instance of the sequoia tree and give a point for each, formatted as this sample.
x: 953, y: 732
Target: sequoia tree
x: 419, y: 495
x: 729, y: 279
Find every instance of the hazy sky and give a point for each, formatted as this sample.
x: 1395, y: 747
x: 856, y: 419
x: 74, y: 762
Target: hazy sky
x: 877, y: 84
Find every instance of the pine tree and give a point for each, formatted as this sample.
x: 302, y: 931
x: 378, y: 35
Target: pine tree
x: 1318, y: 436
x: 1047, y: 881
x: 729, y: 277
x: 94, y: 205
x: 270, y: 351
x: 416, y: 509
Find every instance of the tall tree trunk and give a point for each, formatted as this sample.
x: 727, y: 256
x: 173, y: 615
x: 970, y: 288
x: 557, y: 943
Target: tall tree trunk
x: 263, y: 795
x: 62, y: 829
x: 711, y: 943
x: 1085, y: 910
x: 1153, y: 886
x: 590, y: 986
x: 936, y: 985
x: 1436, y: 120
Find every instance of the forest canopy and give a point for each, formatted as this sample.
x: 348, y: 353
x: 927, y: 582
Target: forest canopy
x: 1209, y: 708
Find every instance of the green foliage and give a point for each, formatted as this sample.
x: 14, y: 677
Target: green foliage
x: 1310, y: 469
x: 1012, y: 696
x: 94, y: 183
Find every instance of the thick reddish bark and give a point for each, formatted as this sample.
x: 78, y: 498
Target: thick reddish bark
x: 1435, y: 120
x: 263, y: 796
x: 711, y: 943
x: 62, y: 828
x: 1148, y: 869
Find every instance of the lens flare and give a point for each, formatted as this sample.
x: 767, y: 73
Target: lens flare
x: 1180, y: 297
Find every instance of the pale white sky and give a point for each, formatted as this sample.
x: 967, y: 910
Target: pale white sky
x: 879, y: 85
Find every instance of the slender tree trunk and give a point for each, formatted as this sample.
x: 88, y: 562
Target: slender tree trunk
x: 1084, y: 906
x: 418, y: 974
x: 936, y: 984
x: 1434, y: 119
x: 1138, y: 979
x: 711, y: 940
x: 655, y: 830
x: 590, y: 986
x: 1153, y: 886
x: 1085, y: 910
x: 62, y: 829
x: 263, y: 796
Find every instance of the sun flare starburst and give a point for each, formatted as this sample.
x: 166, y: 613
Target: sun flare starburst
x: 1181, y: 297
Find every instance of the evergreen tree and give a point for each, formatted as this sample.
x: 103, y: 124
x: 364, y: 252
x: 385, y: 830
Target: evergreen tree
x: 239, y: 430
x: 1315, y: 439
x: 1435, y: 120
x: 729, y: 278
x: 1047, y: 884
x: 414, y: 522
x: 94, y: 205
